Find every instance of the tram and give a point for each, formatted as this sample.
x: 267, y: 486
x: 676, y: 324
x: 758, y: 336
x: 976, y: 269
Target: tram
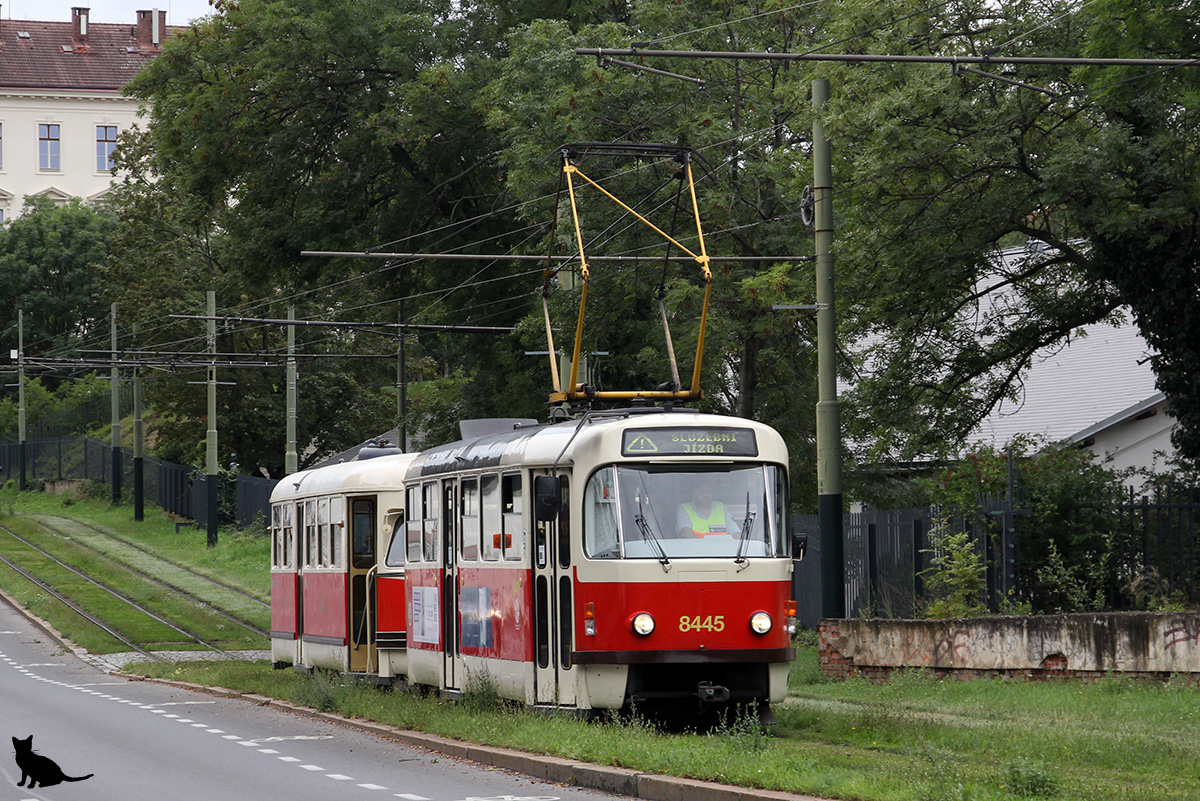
x: 636, y: 556
x: 567, y: 565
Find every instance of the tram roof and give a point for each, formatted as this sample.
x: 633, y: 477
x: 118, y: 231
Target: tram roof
x: 558, y: 442
x: 381, y: 472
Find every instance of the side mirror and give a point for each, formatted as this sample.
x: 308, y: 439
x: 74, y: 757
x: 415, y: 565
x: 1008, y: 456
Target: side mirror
x: 546, y: 498
x: 799, y: 545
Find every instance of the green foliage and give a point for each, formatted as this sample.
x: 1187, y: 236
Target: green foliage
x: 1027, y: 778
x: 51, y: 258
x: 1067, y: 542
x: 955, y: 581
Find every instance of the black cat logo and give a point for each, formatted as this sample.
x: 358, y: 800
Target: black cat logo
x: 39, y: 769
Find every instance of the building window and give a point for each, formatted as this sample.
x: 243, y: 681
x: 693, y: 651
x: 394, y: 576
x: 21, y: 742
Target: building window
x: 48, y: 147
x: 106, y: 143
x: 1, y: 145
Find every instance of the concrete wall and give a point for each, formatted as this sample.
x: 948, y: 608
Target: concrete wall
x: 1136, y: 643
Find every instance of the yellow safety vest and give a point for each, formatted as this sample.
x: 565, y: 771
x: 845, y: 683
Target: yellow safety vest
x: 713, y: 524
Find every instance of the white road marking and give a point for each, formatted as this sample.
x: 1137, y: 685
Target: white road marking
x: 372, y: 787
x: 288, y: 759
x: 339, y: 777
x: 267, y: 751
x: 312, y: 767
x: 411, y: 797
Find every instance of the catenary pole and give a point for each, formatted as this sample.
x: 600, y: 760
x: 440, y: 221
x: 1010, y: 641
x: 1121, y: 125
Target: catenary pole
x: 829, y: 449
x: 139, y: 448
x: 211, y: 434
x: 115, y: 375
x: 21, y: 399
x: 291, y: 456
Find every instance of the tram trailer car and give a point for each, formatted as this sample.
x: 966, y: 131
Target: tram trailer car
x: 334, y: 604
x: 560, y: 564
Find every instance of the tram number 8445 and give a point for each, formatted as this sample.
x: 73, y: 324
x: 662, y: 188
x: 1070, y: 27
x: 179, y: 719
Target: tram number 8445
x: 708, y: 623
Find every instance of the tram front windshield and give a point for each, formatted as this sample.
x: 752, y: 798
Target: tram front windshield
x: 644, y: 512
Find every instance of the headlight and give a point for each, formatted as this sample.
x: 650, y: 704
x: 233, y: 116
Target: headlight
x: 760, y: 622
x: 643, y: 623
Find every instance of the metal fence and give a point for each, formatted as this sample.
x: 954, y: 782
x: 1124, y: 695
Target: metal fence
x: 178, y: 489
x: 1151, y: 555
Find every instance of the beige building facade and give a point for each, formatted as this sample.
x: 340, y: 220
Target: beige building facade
x: 61, y: 105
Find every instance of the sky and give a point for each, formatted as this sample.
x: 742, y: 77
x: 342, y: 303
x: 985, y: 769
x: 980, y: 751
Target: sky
x: 179, y: 12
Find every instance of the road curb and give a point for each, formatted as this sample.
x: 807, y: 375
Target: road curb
x: 620, y: 781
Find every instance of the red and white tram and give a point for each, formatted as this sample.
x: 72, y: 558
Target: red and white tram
x: 577, y: 565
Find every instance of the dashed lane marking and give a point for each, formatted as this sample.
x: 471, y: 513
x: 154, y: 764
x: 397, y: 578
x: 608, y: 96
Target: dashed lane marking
x: 156, y: 708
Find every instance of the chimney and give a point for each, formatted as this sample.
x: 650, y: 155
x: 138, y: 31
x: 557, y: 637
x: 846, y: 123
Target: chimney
x: 151, y: 28
x: 79, y: 25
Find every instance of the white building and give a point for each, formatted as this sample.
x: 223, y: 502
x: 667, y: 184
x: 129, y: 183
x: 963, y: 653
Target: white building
x: 61, y: 107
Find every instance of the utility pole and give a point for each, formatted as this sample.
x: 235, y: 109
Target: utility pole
x: 115, y: 375
x: 21, y: 399
x: 291, y: 457
x: 401, y: 377
x: 139, y: 450
x: 211, y: 436
x: 829, y: 447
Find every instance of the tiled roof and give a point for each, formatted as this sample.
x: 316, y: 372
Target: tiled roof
x: 47, y: 55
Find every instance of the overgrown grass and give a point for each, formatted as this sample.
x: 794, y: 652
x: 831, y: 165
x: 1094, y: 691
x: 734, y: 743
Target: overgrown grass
x: 241, y: 559
x: 110, y: 568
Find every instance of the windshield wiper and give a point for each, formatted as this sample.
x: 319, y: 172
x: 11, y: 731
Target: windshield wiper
x: 652, y: 538
x: 740, y: 560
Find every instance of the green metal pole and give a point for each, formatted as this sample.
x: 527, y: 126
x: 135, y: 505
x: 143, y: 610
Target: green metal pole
x: 401, y: 379
x: 139, y: 450
x: 115, y: 374
x: 291, y: 457
x: 829, y: 450
x: 211, y: 437
x: 21, y: 399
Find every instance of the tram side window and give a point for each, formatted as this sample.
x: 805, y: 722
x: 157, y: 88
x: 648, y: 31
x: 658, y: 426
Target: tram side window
x: 430, y: 521
x: 311, y: 557
x: 490, y: 490
x: 513, y: 504
x: 324, y: 547
x: 290, y: 536
x: 396, y: 548
x: 337, y: 530
x: 470, y: 519
x: 276, y: 536
x: 600, y: 516
x: 413, y: 516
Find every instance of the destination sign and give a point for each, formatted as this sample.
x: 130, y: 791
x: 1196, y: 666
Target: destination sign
x: 689, y: 442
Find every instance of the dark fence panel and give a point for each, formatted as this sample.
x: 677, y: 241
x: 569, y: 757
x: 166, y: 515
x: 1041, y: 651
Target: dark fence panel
x: 178, y: 489
x: 254, y: 499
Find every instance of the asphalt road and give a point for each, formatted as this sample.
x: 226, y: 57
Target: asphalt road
x: 144, y: 741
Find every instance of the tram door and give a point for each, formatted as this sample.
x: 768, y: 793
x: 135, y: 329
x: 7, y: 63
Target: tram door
x: 553, y: 607
x: 453, y: 672
x: 362, y: 587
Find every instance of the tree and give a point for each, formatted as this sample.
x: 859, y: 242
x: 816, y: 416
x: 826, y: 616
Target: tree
x: 289, y: 125
x: 50, y: 258
x: 938, y: 171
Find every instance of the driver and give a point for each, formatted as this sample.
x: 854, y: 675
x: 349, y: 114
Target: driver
x: 703, y: 516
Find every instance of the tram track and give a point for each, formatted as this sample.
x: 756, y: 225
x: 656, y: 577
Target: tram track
x: 134, y: 604
x: 180, y: 591
x: 77, y: 609
x: 43, y: 518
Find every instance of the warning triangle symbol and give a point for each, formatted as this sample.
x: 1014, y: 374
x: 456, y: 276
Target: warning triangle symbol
x: 642, y: 444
